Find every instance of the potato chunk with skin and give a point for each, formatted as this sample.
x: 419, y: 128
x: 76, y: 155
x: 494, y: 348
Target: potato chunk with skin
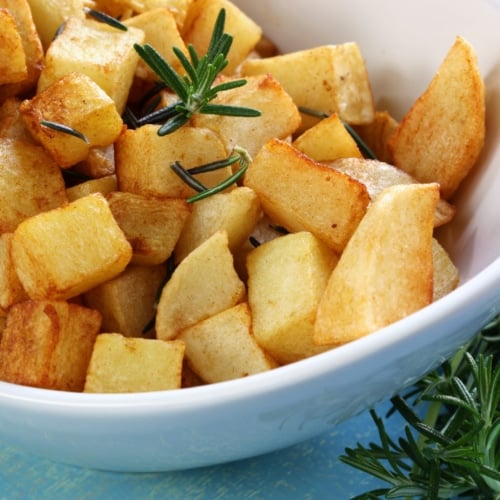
x: 48, y: 344
x: 30, y: 182
x: 203, y: 284
x: 386, y: 270
x: 127, y: 302
x: 13, y: 67
x: 236, y: 212
x: 264, y: 94
x: 222, y: 347
x: 64, y: 252
x: 440, y: 138
x: 377, y: 176
x: 329, y: 78
x: 104, y: 54
x: 199, y: 24
x: 151, y: 226
x: 143, y: 160
x: 120, y: 364
x: 302, y: 195
x: 286, y: 279
x: 78, y: 102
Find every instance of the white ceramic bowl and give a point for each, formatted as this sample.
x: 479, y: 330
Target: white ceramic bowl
x: 403, y: 43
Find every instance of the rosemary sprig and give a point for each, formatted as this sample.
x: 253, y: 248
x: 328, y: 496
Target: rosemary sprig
x: 196, y: 88
x: 239, y: 154
x: 65, y: 129
x: 457, y: 451
x: 365, y: 149
x: 105, y: 18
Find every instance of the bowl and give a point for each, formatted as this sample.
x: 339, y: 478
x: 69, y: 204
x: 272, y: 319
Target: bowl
x: 403, y: 44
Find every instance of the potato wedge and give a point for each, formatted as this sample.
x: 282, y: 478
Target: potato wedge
x: 377, y: 176
x: 302, y: 195
x: 222, y: 347
x: 386, y: 270
x: 205, y: 283
x: 446, y: 274
x: 440, y: 138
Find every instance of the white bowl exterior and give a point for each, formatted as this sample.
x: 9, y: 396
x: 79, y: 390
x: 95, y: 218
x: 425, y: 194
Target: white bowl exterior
x: 403, y: 43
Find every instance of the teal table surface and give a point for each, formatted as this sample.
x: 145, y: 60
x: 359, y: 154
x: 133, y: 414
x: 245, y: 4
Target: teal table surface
x: 307, y: 470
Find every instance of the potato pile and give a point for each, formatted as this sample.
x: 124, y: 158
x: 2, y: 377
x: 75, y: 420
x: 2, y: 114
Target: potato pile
x: 111, y: 281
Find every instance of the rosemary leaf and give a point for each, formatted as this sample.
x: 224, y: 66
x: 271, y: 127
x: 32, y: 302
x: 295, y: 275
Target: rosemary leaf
x: 105, y: 18
x: 65, y: 129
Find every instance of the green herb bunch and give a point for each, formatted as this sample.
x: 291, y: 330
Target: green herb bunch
x: 454, y: 451
x: 196, y: 89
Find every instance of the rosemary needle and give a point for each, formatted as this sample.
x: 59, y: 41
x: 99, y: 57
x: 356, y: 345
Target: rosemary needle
x: 65, y: 129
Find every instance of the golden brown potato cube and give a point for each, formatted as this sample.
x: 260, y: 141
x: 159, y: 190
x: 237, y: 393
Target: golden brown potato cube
x: 32, y: 48
x: 279, y: 115
x: 330, y: 79
x: 87, y: 109
x: 162, y: 33
x: 377, y: 133
x: 11, y: 123
x: 48, y: 344
x: 222, y: 347
x: 11, y: 290
x: 203, y: 284
x: 286, y: 279
x: 103, y: 185
x: 327, y: 141
x: 440, y: 138
x: 199, y: 25
x: 64, y: 252
x: 143, y: 160
x: 30, y: 182
x: 49, y: 15
x: 377, y: 176
x: 236, y: 212
x: 446, y: 275
x: 302, y: 195
x: 103, y: 53
x: 152, y: 226
x: 386, y: 270
x: 127, y: 302
x: 13, y: 67
x: 100, y: 162
x: 120, y: 364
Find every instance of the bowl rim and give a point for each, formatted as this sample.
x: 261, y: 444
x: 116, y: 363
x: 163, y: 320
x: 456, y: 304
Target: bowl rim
x: 484, y: 285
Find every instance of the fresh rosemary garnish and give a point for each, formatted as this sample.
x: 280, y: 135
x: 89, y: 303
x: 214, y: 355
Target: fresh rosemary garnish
x: 105, y: 18
x: 365, y: 149
x: 196, y: 88
x: 239, y: 154
x: 457, y: 453
x: 65, y: 129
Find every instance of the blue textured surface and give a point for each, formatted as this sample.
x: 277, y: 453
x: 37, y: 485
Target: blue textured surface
x: 309, y: 470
